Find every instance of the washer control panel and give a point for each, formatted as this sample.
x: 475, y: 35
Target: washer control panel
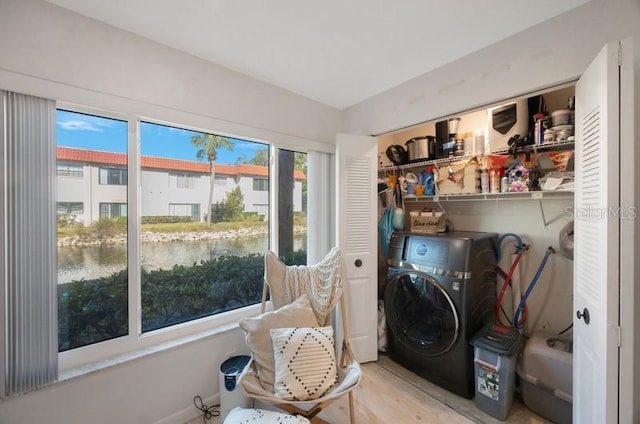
x: 423, y: 251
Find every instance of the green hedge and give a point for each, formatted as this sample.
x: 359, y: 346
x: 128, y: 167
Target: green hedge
x: 160, y: 219
x: 90, y: 311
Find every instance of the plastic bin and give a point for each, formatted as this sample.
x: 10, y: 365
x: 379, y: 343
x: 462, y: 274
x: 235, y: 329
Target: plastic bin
x: 546, y: 377
x: 230, y: 394
x: 496, y: 355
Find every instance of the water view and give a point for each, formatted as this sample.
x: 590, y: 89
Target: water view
x: 91, y: 262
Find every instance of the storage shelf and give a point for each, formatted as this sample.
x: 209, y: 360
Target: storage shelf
x: 525, y: 195
x: 534, y: 148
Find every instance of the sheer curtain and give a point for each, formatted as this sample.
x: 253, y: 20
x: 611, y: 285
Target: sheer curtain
x: 29, y: 256
x: 320, y: 209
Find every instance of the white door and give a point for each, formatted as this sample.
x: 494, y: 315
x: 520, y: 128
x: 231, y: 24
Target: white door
x: 356, y: 176
x: 597, y: 241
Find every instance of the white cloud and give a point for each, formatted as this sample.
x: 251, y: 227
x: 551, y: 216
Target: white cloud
x: 77, y: 125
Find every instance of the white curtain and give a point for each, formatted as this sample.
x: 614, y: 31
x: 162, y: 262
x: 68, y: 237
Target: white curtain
x: 29, y: 258
x: 320, y: 205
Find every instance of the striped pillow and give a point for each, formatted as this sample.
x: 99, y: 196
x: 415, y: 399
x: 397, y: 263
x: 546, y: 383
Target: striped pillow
x: 305, y: 362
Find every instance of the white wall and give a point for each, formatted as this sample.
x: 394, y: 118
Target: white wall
x: 554, y: 51
x: 50, y: 52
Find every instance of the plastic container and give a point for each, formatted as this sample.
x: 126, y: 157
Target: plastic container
x: 496, y: 351
x: 561, y: 117
x: 230, y: 394
x: 546, y: 377
x: 563, y: 132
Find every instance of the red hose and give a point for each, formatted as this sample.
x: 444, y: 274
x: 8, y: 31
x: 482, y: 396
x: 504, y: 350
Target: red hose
x: 507, y: 280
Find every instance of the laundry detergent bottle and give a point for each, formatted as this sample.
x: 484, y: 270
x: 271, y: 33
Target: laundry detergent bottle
x: 429, y: 183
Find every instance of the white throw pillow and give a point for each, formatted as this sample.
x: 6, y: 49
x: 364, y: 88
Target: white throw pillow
x: 296, y: 314
x: 305, y: 362
x: 251, y: 416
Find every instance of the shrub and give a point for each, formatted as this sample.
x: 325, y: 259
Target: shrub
x: 164, y: 219
x: 95, y: 310
x: 108, y: 227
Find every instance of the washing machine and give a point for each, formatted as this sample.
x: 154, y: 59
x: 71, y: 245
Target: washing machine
x: 441, y: 289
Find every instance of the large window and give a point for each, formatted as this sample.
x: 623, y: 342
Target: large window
x: 199, y: 242
x: 92, y: 251
x: 197, y: 273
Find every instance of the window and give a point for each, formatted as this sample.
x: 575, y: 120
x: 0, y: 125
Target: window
x: 212, y: 275
x: 260, y: 184
x: 92, y: 274
x: 292, y: 210
x: 113, y: 176
x: 184, y: 273
x: 74, y: 208
x: 113, y: 210
x: 193, y: 211
x: 66, y: 170
x: 187, y: 181
x: 220, y: 181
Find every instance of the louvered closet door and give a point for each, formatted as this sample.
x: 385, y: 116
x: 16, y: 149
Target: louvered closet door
x: 597, y: 241
x: 356, y: 174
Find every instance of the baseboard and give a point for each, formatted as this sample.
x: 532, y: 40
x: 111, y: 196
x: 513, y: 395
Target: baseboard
x: 189, y: 413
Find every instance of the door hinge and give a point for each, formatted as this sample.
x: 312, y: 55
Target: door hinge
x: 619, y: 54
x: 619, y: 336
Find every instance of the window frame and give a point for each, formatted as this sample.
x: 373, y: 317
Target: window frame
x: 260, y: 184
x: 72, y: 359
x: 122, y: 175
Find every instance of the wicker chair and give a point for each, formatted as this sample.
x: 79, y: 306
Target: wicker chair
x: 323, y: 284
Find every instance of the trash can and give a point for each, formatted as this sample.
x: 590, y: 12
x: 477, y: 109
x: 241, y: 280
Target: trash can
x: 496, y: 351
x: 230, y: 394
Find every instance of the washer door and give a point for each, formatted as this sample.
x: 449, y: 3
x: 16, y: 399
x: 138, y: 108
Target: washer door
x: 420, y: 314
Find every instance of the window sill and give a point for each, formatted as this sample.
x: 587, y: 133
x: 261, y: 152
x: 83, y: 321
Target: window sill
x: 146, y: 351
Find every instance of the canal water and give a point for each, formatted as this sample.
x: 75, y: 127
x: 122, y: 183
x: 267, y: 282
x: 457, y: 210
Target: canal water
x: 91, y: 262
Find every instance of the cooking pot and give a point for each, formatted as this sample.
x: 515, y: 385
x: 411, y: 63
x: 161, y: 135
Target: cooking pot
x: 397, y: 154
x: 421, y: 148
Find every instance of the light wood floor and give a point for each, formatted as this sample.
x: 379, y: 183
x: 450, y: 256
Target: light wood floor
x: 390, y: 393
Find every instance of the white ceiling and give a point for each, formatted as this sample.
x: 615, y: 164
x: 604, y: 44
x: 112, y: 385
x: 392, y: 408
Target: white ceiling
x: 338, y: 52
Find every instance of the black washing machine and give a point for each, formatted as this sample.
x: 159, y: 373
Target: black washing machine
x: 441, y: 289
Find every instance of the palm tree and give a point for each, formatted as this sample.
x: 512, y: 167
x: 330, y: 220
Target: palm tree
x: 207, y: 145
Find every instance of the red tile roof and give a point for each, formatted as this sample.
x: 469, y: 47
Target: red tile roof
x: 109, y: 158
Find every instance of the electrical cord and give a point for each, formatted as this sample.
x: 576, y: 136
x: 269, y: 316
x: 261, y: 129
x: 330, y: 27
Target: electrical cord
x: 566, y: 329
x: 208, y: 412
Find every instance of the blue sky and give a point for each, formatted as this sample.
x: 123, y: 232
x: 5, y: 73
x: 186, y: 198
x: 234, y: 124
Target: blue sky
x: 110, y: 135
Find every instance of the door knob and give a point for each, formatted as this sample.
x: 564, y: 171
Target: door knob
x: 584, y: 314
x: 358, y: 263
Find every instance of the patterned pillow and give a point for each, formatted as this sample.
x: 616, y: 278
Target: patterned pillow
x: 252, y: 416
x: 305, y: 362
x: 296, y: 314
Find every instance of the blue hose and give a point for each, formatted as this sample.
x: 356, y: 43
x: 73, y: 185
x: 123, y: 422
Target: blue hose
x: 523, y: 300
x: 519, y: 245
